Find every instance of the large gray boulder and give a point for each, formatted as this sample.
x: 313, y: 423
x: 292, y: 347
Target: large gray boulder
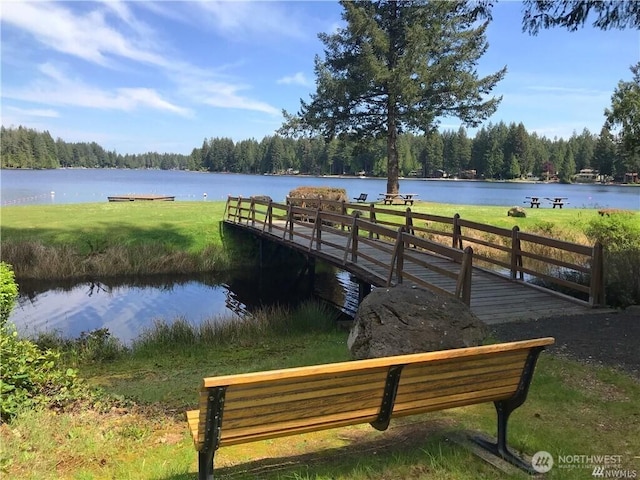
x: 404, y: 319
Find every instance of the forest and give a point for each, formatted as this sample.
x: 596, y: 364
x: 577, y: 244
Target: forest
x: 497, y: 151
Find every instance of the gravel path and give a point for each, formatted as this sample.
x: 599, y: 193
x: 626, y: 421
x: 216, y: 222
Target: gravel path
x: 611, y: 339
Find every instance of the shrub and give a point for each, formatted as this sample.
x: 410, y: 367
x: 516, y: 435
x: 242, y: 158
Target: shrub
x: 312, y: 194
x: 8, y: 292
x: 620, y: 237
x: 30, y: 376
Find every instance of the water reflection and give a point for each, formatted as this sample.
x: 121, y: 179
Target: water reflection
x: 128, y: 305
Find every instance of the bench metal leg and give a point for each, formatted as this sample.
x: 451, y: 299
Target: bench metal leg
x: 205, y: 465
x: 500, y: 448
x: 504, y: 409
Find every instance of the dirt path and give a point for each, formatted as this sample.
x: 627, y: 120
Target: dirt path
x: 611, y: 339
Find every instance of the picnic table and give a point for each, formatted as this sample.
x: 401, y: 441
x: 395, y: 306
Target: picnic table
x: 557, y: 201
x: 391, y: 198
x: 534, y: 201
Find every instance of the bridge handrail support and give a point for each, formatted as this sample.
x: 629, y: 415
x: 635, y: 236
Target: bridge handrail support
x: 516, y: 254
x: 397, y: 258
x: 456, y: 240
x: 463, y: 284
x: 597, y: 286
x: 352, y: 241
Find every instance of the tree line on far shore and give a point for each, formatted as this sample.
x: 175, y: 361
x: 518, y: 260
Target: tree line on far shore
x: 497, y: 151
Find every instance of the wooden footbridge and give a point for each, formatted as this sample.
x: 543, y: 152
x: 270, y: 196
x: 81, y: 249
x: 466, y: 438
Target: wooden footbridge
x: 502, y: 274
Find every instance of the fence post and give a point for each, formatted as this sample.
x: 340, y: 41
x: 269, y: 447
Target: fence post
x: 269, y: 218
x: 289, y: 222
x: 372, y: 218
x: 226, y: 207
x: 343, y: 212
x: 397, y: 258
x: 237, y: 218
x: 463, y: 285
x: 457, y: 232
x: 352, y: 241
x: 597, y: 291
x: 409, y: 223
x: 252, y: 209
x: 516, y: 254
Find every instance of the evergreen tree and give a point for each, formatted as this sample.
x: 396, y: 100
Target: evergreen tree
x: 625, y: 114
x: 399, y: 66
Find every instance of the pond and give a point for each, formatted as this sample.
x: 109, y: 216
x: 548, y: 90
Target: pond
x: 128, y: 306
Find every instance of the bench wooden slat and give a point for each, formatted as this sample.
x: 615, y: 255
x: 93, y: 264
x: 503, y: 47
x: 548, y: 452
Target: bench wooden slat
x: 360, y: 365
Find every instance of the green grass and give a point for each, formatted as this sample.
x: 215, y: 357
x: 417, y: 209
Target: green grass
x: 188, y: 226
x: 571, y: 409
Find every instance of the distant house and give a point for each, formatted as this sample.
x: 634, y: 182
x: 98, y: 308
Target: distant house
x: 586, y: 175
x: 631, y: 177
x: 468, y: 174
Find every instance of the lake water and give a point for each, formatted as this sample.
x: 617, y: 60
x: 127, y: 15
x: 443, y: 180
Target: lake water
x: 126, y: 306
x: 24, y: 187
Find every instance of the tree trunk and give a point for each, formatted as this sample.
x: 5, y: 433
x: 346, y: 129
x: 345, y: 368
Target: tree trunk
x: 392, y: 153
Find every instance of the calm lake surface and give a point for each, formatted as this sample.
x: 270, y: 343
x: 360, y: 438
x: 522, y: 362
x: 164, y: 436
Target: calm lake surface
x: 127, y: 306
x: 24, y: 187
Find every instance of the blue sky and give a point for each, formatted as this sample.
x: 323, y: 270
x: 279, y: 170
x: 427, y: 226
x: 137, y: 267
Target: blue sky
x: 162, y: 76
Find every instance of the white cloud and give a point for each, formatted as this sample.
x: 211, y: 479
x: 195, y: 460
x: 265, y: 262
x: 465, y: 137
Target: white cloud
x: 240, y: 19
x: 33, y: 112
x: 296, y: 79
x: 56, y: 88
x: 89, y: 36
x: 85, y: 36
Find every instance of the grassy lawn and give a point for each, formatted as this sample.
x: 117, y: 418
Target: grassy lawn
x: 192, y: 226
x: 571, y: 409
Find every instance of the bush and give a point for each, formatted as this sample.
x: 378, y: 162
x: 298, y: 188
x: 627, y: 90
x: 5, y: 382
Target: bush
x: 620, y: 237
x: 312, y: 194
x: 8, y: 292
x: 30, y: 376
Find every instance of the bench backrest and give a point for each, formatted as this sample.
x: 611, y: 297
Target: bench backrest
x: 261, y: 405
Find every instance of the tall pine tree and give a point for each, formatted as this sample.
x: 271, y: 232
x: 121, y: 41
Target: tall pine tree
x: 399, y: 66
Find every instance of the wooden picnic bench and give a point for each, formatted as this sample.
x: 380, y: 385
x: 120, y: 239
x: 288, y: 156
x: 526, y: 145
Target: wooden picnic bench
x: 535, y: 201
x: 361, y: 198
x: 557, y: 201
x: 391, y: 198
x: 235, y: 409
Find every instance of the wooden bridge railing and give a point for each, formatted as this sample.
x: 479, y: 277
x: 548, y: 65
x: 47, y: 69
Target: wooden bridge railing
x: 508, y: 252
x: 385, y: 261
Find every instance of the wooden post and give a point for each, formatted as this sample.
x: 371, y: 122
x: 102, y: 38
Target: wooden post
x: 226, y: 207
x: 238, y: 215
x: 343, y: 212
x: 463, y: 284
x: 372, y: 218
x: 597, y: 290
x: 352, y: 242
x: 408, y: 221
x: 457, y: 233
x: 289, y: 225
x: 253, y: 212
x: 397, y: 258
x: 269, y: 217
x: 317, y: 229
x: 516, y: 254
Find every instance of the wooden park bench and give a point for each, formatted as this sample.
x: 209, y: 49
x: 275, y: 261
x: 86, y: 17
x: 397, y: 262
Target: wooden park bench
x: 361, y: 198
x: 235, y: 409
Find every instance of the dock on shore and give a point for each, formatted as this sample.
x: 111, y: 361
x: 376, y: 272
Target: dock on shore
x: 132, y: 198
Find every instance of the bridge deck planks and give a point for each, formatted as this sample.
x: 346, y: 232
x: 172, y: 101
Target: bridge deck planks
x: 494, y: 299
